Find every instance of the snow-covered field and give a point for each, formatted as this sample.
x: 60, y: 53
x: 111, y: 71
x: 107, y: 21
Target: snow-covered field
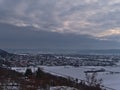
x: 110, y: 77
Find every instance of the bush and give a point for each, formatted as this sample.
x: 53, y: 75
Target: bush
x: 28, y: 72
x: 39, y: 73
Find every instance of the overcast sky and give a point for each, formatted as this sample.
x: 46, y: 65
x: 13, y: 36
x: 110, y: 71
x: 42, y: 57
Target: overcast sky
x: 66, y: 24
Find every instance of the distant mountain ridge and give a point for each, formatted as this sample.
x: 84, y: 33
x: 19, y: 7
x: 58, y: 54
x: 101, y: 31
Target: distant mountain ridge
x: 66, y: 51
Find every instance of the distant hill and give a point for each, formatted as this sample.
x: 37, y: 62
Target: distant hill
x: 4, y: 53
x: 66, y: 51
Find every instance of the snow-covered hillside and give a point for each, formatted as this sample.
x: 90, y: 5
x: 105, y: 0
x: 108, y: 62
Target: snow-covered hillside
x: 110, y: 75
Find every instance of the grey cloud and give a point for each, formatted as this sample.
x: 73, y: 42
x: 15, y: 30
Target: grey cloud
x: 25, y: 37
x: 89, y: 17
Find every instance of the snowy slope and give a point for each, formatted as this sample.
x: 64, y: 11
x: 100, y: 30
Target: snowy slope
x: 111, y: 76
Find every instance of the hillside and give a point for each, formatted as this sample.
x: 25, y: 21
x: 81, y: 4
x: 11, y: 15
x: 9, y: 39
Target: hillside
x: 12, y: 80
x: 4, y: 54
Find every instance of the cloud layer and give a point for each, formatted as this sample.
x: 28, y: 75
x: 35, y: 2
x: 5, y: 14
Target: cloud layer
x: 25, y: 37
x: 98, y: 18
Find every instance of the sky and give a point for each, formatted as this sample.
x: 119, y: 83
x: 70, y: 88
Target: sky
x: 60, y: 24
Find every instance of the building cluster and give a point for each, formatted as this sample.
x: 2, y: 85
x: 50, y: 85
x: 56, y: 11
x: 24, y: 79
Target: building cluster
x: 58, y: 60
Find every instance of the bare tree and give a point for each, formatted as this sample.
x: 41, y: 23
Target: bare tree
x: 92, y: 80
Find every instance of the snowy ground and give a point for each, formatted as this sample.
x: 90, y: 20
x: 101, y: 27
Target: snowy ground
x: 111, y: 76
x: 62, y: 88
